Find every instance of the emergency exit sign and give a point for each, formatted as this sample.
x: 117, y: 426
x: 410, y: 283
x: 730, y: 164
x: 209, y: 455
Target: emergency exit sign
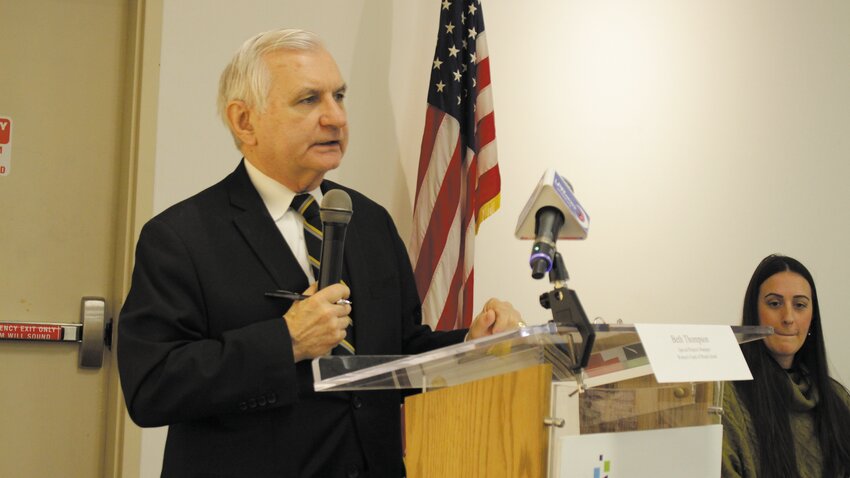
x: 5, y: 145
x: 25, y: 331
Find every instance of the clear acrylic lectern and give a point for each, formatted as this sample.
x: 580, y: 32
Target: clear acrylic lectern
x: 531, y: 394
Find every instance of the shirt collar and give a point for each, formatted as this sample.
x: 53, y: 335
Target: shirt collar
x: 276, y: 196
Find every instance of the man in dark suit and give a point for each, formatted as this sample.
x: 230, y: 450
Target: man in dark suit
x: 200, y: 347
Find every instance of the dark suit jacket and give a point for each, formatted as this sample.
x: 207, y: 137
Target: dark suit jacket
x: 201, y: 349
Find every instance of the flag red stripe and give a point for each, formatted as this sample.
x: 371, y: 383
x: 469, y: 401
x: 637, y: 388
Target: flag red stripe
x: 483, y: 78
x: 486, y: 130
x: 467, y: 244
x: 471, y: 200
x: 467, y: 300
x: 455, y: 303
x: 489, y: 185
x: 433, y: 118
x: 439, y: 224
x: 448, y: 318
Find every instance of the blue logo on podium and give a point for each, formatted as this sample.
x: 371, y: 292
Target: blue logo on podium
x: 604, y: 467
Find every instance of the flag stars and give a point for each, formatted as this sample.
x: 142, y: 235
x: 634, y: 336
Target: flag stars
x: 458, y: 49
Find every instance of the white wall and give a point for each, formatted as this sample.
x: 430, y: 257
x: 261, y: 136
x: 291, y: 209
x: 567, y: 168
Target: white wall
x: 700, y: 136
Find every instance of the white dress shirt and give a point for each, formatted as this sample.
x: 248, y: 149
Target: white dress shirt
x: 278, y: 199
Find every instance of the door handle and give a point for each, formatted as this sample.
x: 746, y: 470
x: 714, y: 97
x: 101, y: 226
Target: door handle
x: 93, y: 333
x: 96, y: 332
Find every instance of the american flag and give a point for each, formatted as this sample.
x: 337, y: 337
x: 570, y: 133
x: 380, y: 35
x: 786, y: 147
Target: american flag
x: 458, y: 183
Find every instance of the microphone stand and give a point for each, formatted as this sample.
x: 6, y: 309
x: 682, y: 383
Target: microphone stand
x: 567, y: 311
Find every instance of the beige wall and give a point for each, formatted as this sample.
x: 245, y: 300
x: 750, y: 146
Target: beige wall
x: 700, y: 136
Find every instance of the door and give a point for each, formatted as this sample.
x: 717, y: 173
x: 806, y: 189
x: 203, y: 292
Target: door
x: 64, y: 86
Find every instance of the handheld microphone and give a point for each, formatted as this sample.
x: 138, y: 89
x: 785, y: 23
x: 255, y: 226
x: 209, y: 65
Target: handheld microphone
x: 552, y: 213
x: 335, y: 212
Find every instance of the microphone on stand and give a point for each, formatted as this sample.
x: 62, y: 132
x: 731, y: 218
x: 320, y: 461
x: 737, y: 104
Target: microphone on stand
x: 548, y: 222
x: 552, y: 213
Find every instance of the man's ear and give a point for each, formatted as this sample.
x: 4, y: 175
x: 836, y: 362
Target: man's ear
x: 240, y: 118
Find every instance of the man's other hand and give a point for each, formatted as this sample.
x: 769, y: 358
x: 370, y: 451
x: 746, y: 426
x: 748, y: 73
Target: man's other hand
x: 496, y: 316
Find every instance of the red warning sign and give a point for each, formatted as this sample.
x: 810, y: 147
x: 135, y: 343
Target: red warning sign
x: 5, y: 130
x: 5, y: 145
x: 24, y: 331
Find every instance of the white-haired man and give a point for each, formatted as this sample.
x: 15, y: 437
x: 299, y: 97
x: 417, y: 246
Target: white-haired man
x: 201, y: 349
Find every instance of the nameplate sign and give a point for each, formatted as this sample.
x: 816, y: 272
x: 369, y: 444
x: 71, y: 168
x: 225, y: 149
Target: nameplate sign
x: 693, y: 353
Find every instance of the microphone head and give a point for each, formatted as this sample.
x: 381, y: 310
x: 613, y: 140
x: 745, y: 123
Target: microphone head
x: 555, y: 191
x: 336, y: 207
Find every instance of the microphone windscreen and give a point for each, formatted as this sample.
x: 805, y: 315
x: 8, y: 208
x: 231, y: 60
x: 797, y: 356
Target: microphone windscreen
x: 555, y: 191
x: 336, y: 207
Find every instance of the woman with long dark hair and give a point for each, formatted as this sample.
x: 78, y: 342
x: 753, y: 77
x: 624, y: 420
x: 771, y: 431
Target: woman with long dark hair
x: 792, y: 419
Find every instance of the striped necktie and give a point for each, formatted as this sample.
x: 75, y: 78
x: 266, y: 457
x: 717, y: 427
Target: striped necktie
x: 306, y: 206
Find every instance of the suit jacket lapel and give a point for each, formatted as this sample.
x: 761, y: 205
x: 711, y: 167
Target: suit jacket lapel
x: 355, y: 266
x: 253, y: 221
x: 255, y: 224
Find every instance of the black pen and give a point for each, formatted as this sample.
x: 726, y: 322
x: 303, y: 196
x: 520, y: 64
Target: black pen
x: 285, y: 294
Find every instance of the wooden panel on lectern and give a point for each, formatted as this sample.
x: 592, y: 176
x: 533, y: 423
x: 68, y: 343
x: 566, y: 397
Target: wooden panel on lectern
x: 643, y: 404
x: 488, y: 428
